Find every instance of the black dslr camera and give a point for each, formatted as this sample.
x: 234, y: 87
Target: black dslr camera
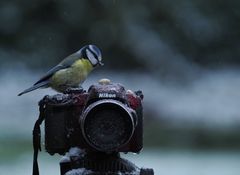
x: 91, y: 129
x: 107, y: 118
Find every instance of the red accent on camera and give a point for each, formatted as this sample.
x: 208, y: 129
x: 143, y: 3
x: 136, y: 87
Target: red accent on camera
x: 134, y: 100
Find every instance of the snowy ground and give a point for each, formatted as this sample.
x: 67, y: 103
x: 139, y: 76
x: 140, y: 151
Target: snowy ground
x: 212, y: 100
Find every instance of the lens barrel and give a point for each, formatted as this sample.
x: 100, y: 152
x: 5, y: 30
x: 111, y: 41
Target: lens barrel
x: 107, y: 125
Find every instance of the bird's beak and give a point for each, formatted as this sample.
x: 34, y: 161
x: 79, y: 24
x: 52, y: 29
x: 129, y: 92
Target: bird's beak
x: 100, y: 63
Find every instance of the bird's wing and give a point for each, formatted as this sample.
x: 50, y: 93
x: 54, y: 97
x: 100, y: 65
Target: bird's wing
x: 39, y: 85
x: 67, y: 62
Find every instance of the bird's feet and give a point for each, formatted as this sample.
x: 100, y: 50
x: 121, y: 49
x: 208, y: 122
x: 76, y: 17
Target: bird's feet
x: 74, y: 90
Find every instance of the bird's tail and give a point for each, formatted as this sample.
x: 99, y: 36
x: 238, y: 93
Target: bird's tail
x: 36, y: 86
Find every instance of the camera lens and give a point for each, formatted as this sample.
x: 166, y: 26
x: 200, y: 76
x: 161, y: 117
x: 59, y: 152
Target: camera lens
x: 107, y: 125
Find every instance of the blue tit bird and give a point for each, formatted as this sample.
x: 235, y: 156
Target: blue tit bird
x: 71, y: 72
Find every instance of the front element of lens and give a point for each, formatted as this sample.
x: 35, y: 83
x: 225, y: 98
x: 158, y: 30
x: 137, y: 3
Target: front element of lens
x: 107, y: 125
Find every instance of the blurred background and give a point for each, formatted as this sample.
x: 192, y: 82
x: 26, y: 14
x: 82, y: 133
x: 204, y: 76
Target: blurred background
x: 183, y: 55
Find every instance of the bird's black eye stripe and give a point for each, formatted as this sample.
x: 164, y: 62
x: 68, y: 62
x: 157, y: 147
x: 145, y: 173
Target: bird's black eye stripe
x: 93, y: 53
x: 95, y: 50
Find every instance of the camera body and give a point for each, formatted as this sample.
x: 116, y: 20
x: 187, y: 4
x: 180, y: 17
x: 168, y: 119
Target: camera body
x: 106, y: 118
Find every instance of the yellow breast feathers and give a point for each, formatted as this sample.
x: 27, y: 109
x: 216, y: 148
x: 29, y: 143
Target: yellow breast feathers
x: 72, y: 76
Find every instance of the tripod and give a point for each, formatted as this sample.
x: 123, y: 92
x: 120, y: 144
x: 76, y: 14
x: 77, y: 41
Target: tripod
x: 78, y: 162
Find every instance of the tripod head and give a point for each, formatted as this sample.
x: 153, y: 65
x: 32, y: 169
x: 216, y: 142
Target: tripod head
x: 80, y: 162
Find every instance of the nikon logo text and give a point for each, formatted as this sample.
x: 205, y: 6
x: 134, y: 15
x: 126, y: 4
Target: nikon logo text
x: 106, y: 95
